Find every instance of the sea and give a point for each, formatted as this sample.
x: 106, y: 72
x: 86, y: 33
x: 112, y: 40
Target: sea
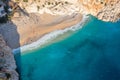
x: 89, y: 50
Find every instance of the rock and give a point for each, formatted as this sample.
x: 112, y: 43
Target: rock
x: 16, y: 14
x: 3, y: 76
x: 106, y: 10
x: 7, y: 62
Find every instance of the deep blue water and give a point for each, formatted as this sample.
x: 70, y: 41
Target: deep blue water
x: 92, y: 53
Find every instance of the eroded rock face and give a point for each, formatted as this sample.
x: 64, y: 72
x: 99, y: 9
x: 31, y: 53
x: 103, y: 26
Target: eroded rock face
x: 106, y: 10
x: 7, y: 62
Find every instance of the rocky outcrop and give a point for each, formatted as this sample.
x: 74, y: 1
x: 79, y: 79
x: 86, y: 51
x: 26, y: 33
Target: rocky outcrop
x: 7, y: 62
x: 106, y: 10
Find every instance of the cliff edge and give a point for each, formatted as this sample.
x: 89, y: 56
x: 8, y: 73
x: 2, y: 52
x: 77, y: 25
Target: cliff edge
x: 106, y: 10
x: 7, y: 62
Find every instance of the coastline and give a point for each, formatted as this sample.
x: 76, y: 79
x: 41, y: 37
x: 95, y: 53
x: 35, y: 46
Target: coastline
x: 38, y: 25
x: 27, y: 29
x: 50, y: 36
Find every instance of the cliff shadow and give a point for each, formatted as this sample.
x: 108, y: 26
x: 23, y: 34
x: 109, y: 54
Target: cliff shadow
x: 12, y: 38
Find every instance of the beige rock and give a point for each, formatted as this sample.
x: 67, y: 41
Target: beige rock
x: 16, y: 14
x: 106, y: 10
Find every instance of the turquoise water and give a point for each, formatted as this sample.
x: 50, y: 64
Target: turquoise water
x: 92, y: 53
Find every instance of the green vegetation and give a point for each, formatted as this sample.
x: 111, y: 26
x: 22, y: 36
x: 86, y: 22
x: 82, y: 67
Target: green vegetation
x: 38, y: 7
x: 101, y: 2
x: 66, y: 2
x: 49, y: 3
x: 4, y: 19
x: 7, y: 16
x: 25, y: 0
x: 56, y: 3
x: 3, y: 0
x: 43, y: 5
x: 105, y: 4
x: 17, y: 0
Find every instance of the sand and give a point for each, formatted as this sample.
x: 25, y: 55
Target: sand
x: 30, y: 29
x: 46, y: 23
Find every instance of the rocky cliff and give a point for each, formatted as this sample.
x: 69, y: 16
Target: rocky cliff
x: 7, y: 62
x: 106, y: 10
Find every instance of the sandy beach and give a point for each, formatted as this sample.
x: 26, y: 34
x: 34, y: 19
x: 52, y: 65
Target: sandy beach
x: 25, y: 30
x: 32, y: 28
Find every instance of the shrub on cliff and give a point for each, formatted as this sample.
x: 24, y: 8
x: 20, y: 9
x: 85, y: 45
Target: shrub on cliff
x: 4, y: 19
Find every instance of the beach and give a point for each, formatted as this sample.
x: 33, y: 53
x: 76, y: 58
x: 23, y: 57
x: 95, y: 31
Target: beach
x: 91, y: 53
x: 60, y: 40
x: 46, y: 24
x: 29, y: 29
x: 53, y: 36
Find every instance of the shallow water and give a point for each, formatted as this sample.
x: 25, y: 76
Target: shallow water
x: 92, y: 53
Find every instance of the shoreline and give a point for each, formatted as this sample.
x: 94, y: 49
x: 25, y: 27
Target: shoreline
x: 27, y: 29
x: 50, y: 36
x: 43, y: 24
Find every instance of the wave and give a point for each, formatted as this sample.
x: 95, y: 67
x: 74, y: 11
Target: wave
x: 50, y: 36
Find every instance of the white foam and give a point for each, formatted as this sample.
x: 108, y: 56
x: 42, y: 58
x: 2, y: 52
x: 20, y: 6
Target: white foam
x: 50, y: 36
